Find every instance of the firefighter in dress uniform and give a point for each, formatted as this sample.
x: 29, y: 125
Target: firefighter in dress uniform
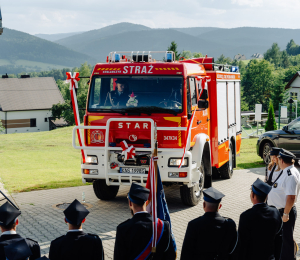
x: 210, y: 236
x: 260, y: 228
x: 119, y: 96
x: 18, y: 250
x: 273, y: 169
x: 76, y: 244
x: 8, y: 225
x: 134, y: 235
x: 283, y: 196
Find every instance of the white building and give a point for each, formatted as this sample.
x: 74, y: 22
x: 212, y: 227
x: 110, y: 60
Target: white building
x: 25, y: 104
x: 294, y: 87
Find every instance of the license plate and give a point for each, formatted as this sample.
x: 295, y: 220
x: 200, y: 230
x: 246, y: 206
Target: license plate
x: 132, y: 170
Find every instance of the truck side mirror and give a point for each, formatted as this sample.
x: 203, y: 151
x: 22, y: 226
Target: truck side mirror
x: 203, y: 104
x: 190, y: 115
x: 204, y: 94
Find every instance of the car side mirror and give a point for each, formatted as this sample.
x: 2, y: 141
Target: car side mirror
x: 285, y: 128
x: 203, y: 104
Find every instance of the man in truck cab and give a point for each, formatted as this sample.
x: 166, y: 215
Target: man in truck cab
x: 119, y: 96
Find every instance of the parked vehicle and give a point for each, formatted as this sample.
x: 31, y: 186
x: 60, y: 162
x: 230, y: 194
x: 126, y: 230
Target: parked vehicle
x: 288, y: 138
x: 161, y: 96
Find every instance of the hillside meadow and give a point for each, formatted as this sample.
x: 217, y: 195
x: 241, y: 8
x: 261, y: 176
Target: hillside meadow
x: 47, y: 160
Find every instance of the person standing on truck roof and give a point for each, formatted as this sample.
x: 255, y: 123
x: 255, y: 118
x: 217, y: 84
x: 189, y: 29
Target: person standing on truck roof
x: 273, y: 169
x: 283, y: 196
x: 119, y: 96
x: 76, y: 244
x: 260, y: 228
x: 210, y: 236
x: 8, y: 225
x: 134, y: 235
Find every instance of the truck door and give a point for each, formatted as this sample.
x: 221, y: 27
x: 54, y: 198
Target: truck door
x: 231, y: 108
x: 200, y: 121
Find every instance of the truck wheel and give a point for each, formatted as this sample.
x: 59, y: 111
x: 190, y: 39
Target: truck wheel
x: 191, y: 196
x: 104, y: 192
x: 226, y: 170
x: 266, y: 152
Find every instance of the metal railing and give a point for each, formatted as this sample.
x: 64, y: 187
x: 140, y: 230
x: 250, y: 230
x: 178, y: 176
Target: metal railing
x: 107, y: 148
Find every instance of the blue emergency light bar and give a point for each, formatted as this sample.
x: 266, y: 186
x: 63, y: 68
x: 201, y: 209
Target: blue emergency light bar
x: 117, y: 57
x: 234, y: 69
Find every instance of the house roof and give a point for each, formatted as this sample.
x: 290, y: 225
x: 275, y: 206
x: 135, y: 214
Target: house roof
x: 18, y: 94
x: 292, y: 80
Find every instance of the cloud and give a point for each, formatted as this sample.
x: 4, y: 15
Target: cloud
x: 57, y: 16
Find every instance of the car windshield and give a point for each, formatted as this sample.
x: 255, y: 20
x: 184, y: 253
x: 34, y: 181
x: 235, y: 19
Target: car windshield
x: 141, y: 94
x: 294, y: 125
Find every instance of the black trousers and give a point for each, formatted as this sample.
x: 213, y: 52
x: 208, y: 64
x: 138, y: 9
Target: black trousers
x: 287, y: 252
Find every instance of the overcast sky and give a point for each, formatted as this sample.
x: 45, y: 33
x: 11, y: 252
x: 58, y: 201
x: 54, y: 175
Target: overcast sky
x: 60, y: 16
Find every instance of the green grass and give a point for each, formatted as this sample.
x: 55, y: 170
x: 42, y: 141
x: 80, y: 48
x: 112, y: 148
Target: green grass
x: 32, y: 64
x: 47, y: 160
x: 42, y: 160
x: 248, y: 157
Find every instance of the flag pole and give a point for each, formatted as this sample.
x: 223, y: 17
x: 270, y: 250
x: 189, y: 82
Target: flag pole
x: 155, y: 185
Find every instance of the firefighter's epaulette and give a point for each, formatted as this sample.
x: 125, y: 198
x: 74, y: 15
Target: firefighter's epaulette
x: 32, y: 240
x: 58, y: 237
x: 93, y: 235
x: 289, y: 172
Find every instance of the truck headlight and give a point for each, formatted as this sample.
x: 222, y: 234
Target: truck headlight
x: 91, y: 159
x: 175, y: 162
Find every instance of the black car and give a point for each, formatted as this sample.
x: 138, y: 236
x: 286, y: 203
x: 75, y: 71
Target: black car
x: 288, y: 138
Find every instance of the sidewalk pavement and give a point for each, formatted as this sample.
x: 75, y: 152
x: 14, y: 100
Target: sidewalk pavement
x: 41, y: 221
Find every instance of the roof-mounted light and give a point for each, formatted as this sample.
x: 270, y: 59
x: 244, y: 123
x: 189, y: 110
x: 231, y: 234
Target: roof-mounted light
x: 117, y: 57
x: 234, y: 69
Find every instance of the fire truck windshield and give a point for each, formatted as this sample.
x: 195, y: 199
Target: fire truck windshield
x: 145, y: 94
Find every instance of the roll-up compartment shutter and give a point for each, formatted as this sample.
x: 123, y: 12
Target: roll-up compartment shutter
x: 238, y: 106
x: 222, y: 111
x: 231, y: 103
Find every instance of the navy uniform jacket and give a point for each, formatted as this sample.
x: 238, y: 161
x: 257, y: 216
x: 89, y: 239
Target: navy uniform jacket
x: 260, y: 233
x: 76, y: 245
x: 134, y: 234
x: 13, y: 238
x: 208, y: 236
x: 114, y: 99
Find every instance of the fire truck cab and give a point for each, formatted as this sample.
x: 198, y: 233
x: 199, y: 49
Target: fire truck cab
x: 135, y: 98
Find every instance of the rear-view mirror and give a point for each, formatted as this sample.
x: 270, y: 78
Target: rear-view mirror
x: 203, y: 104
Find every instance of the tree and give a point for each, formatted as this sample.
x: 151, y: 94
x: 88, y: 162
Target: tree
x: 277, y: 90
x: 186, y: 54
x: 197, y: 55
x: 257, y: 83
x: 273, y: 55
x: 285, y: 60
x: 173, y: 47
x: 64, y: 110
x: 1, y: 127
x: 292, y: 48
x: 223, y: 60
x: 271, y: 123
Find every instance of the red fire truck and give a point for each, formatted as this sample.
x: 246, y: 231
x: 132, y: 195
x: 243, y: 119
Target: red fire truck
x: 135, y: 98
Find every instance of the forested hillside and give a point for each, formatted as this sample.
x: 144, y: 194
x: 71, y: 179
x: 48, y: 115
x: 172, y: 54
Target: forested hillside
x: 17, y: 45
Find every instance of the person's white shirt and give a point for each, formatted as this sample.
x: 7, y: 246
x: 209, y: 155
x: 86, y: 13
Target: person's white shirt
x: 287, y: 184
x: 10, y: 232
x: 275, y: 173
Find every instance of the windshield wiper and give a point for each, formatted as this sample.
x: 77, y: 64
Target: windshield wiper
x: 151, y: 109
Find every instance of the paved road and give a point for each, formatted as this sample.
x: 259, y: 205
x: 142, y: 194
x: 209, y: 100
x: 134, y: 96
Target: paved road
x: 42, y: 222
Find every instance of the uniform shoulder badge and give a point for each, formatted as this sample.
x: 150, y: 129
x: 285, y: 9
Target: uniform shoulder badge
x: 289, y: 172
x: 275, y: 185
x: 93, y: 235
x: 32, y: 240
x: 58, y: 237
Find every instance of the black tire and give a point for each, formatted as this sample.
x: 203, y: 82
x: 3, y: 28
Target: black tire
x: 226, y: 170
x: 215, y: 173
x: 266, y: 152
x: 104, y: 192
x: 192, y: 196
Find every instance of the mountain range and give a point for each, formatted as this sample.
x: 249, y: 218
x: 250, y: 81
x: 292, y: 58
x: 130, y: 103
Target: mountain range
x: 73, y: 49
